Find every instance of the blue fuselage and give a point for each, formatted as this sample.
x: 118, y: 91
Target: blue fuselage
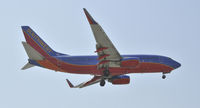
x: 92, y: 60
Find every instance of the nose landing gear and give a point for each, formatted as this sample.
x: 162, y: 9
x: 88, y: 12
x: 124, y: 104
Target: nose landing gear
x: 163, y: 76
x: 165, y: 72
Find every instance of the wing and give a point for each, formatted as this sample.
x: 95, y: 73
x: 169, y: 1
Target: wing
x: 105, y: 49
x: 94, y: 80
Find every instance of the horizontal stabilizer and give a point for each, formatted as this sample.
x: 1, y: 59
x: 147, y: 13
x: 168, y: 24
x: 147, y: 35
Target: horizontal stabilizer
x: 94, y: 80
x: 70, y: 84
x: 28, y: 65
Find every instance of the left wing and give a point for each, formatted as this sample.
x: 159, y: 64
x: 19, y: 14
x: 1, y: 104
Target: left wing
x: 105, y: 49
x: 94, y: 80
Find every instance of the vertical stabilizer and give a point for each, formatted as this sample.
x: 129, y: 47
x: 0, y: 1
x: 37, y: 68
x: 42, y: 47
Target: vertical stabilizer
x: 37, y: 43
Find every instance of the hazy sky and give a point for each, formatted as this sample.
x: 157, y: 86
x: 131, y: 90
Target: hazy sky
x: 163, y: 27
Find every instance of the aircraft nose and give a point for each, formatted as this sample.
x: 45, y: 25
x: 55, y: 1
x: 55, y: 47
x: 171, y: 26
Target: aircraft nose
x: 176, y: 64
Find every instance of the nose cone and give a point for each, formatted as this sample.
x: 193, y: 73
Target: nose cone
x: 176, y: 65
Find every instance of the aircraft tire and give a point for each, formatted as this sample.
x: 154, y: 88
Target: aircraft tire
x: 163, y: 76
x: 102, y: 83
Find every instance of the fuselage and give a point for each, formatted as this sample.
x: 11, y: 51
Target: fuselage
x: 109, y: 64
x: 88, y: 64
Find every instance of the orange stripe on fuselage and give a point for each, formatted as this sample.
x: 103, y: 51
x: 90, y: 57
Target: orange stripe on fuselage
x: 47, y: 64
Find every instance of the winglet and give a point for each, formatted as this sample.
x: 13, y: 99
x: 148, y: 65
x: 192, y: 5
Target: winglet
x: 89, y: 17
x: 70, y: 84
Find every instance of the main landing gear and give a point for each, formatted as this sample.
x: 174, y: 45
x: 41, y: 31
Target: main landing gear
x: 102, y: 83
x: 106, y: 73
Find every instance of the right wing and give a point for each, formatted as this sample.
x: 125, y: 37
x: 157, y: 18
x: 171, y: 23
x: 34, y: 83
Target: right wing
x: 105, y: 48
x: 94, y: 80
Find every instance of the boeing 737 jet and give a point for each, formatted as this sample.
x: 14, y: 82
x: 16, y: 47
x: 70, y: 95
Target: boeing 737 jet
x: 109, y: 65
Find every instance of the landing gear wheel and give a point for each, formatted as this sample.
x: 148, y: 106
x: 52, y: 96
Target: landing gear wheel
x: 163, y: 76
x: 102, y: 83
x: 106, y: 72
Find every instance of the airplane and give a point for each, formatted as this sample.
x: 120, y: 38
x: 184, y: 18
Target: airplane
x: 109, y: 65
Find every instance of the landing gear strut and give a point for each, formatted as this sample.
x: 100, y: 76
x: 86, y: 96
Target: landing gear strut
x: 163, y: 76
x: 102, y: 83
x: 106, y: 72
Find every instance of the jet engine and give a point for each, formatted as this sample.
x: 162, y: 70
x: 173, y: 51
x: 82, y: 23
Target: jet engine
x: 120, y: 79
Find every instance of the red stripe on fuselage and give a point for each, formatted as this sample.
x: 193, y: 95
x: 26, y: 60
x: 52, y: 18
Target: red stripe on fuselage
x: 49, y: 65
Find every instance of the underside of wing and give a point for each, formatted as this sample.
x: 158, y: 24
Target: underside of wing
x: 105, y: 49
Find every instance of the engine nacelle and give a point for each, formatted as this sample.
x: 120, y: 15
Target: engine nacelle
x: 130, y: 62
x: 121, y: 79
